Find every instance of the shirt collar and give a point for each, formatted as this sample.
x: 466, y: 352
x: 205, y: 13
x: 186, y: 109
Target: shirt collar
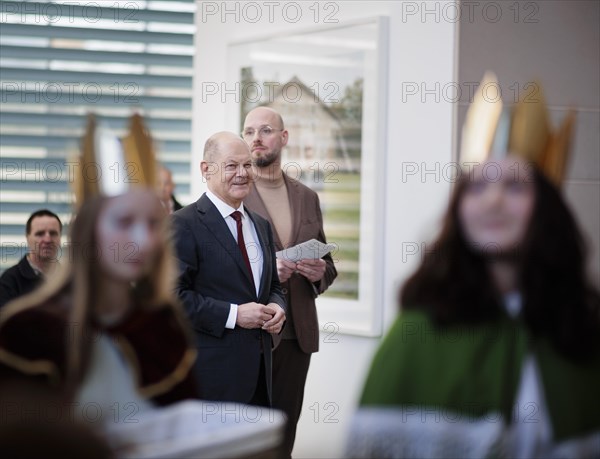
x: 35, y: 270
x: 224, y: 209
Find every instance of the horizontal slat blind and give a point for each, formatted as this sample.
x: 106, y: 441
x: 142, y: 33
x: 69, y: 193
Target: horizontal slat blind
x: 61, y: 59
x: 66, y: 54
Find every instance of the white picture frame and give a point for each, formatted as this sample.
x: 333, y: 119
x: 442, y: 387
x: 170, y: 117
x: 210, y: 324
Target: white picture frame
x: 324, y: 60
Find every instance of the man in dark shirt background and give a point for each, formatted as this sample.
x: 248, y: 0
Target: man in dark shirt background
x: 43, y: 231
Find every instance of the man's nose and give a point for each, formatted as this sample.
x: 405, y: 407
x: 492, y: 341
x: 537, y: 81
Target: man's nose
x: 256, y: 138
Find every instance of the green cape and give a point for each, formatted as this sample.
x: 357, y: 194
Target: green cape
x: 475, y: 370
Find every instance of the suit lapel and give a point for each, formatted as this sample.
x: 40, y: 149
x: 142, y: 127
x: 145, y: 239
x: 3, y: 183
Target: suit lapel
x: 295, y: 199
x: 215, y: 223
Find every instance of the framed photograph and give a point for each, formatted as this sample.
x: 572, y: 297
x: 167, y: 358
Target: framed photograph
x: 329, y: 84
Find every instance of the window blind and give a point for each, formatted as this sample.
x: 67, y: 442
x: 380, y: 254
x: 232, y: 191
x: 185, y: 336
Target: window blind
x: 60, y: 60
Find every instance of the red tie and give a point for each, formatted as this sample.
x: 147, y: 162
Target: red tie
x: 237, y: 216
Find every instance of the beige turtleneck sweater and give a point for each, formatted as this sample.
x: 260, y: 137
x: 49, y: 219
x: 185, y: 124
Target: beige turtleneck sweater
x: 274, y: 194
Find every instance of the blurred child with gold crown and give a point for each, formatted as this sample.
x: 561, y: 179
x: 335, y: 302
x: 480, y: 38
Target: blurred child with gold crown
x: 107, y: 333
x: 111, y: 311
x: 496, y: 352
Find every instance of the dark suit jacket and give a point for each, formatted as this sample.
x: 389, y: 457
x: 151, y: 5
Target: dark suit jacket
x: 307, y: 223
x: 17, y: 281
x: 212, y: 276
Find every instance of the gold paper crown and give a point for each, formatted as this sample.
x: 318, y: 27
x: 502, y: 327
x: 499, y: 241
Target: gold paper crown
x: 492, y: 131
x: 109, y: 166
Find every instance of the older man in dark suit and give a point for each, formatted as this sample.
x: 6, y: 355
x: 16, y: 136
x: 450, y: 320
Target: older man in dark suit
x: 295, y: 214
x: 228, y: 280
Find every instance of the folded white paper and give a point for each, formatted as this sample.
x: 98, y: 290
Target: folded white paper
x: 312, y: 250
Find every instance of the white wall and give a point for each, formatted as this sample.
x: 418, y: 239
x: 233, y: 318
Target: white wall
x: 421, y: 51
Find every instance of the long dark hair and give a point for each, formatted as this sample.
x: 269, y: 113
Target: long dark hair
x: 453, y: 283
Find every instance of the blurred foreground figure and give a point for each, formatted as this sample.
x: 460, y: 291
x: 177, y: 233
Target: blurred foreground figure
x: 97, y: 330
x: 35, y: 423
x: 106, y: 332
x: 496, y: 352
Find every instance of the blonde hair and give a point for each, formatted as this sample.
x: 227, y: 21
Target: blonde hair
x: 80, y: 272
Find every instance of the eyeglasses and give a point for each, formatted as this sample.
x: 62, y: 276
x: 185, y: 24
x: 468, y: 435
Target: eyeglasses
x: 264, y: 131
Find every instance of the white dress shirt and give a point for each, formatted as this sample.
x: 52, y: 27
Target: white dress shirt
x: 255, y: 253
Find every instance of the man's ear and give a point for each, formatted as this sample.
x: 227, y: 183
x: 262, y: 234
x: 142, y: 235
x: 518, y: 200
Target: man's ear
x: 284, y: 136
x: 207, y: 169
